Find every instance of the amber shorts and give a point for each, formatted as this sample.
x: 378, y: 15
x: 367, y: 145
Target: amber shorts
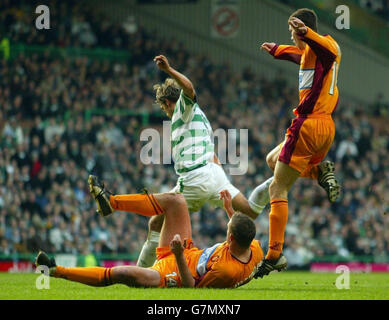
x: 307, y: 142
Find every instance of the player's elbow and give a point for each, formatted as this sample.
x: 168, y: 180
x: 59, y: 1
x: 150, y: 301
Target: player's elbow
x: 271, y: 161
x: 191, y: 93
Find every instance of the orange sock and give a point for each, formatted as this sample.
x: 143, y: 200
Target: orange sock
x: 310, y: 172
x: 144, y: 204
x: 92, y: 276
x: 277, y: 222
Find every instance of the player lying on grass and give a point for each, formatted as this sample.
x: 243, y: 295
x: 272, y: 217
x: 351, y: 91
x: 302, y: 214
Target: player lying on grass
x: 312, y: 132
x: 201, y: 177
x: 179, y: 264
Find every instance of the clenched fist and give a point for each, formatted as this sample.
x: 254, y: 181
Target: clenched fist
x: 267, y: 46
x: 176, y: 245
x: 298, y: 26
x: 162, y: 63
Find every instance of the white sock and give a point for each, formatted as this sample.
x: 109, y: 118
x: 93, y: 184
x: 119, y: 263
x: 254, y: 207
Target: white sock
x: 260, y: 197
x: 147, y: 255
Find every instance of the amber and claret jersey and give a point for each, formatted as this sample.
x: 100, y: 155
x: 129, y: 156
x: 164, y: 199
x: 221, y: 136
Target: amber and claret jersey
x: 215, y: 267
x: 319, y: 64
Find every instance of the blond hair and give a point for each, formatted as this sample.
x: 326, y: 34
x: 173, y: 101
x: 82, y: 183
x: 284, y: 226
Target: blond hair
x: 167, y: 90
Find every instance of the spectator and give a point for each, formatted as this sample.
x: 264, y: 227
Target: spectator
x: 347, y: 148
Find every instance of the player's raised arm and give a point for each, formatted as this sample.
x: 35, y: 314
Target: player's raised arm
x: 226, y: 197
x: 177, y: 248
x: 325, y: 48
x: 185, y: 84
x: 283, y: 52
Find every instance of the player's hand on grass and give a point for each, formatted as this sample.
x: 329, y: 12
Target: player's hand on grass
x: 225, y: 195
x: 162, y: 63
x: 176, y: 245
x: 298, y: 26
x: 267, y: 46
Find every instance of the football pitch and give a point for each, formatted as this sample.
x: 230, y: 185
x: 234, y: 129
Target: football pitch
x: 278, y: 286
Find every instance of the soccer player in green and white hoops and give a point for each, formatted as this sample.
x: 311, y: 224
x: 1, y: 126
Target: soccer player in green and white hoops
x: 201, y: 177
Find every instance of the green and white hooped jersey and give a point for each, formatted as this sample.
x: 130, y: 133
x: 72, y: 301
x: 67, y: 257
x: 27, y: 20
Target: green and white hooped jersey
x: 191, y: 136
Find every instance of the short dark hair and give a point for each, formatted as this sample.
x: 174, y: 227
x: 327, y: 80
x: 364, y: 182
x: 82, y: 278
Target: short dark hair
x: 243, y: 229
x: 308, y: 16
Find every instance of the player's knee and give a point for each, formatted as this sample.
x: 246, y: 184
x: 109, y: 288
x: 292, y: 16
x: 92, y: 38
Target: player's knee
x: 270, y: 161
x: 166, y: 200
x: 177, y: 203
x: 179, y: 200
x: 173, y: 203
x: 124, y: 275
x: 155, y: 223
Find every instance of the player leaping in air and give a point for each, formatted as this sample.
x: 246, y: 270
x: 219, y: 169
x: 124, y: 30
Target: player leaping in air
x: 311, y: 133
x: 179, y: 264
x: 201, y: 177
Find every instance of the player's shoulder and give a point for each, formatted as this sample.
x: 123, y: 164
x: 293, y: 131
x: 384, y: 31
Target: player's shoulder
x: 187, y: 99
x: 257, y: 250
x: 330, y: 37
x: 256, y: 243
x: 335, y: 44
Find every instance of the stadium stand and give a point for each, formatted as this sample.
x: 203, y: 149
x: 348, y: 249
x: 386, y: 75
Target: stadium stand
x: 63, y: 117
x: 378, y: 7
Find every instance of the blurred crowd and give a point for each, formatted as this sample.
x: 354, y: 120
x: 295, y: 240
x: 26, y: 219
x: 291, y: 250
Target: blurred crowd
x: 72, y: 23
x: 378, y: 7
x: 51, y: 139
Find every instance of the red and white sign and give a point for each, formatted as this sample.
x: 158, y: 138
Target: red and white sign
x: 225, y: 18
x: 16, y: 267
x: 353, y: 266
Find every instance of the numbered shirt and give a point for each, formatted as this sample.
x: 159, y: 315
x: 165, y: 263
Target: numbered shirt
x: 191, y: 136
x: 319, y: 65
x: 215, y: 267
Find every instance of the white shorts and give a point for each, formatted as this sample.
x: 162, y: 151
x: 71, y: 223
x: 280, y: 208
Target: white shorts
x: 203, y: 185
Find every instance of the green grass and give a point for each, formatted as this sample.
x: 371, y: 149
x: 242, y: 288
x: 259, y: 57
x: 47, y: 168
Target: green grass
x: 285, y: 285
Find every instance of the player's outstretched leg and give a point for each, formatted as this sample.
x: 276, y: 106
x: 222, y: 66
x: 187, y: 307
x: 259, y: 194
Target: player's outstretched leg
x: 324, y: 173
x: 93, y: 276
x: 101, y: 277
x: 42, y: 259
x: 284, y: 177
x: 147, y: 254
x: 260, y: 197
x: 327, y: 180
x: 97, y: 190
x: 153, y: 205
x: 144, y: 204
x: 269, y: 265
